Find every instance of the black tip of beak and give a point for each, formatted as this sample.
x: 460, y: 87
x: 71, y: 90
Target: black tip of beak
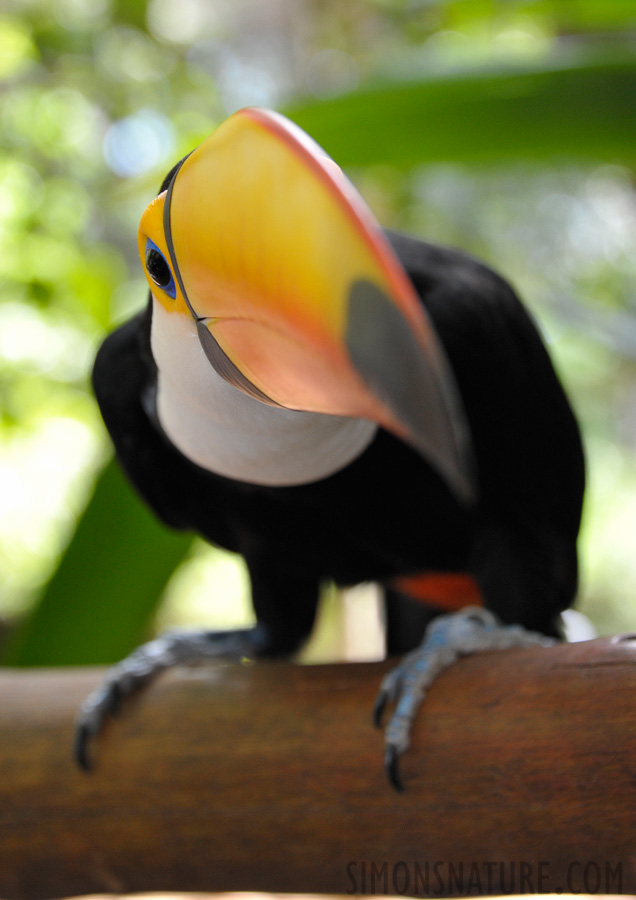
x: 414, y: 381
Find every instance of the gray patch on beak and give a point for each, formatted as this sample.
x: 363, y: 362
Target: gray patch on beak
x: 415, y: 382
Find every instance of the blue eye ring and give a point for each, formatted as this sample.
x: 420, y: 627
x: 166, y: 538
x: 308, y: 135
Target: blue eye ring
x: 159, y: 270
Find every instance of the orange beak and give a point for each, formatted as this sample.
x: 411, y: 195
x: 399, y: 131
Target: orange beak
x: 299, y: 299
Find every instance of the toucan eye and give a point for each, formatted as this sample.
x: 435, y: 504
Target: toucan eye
x: 159, y: 270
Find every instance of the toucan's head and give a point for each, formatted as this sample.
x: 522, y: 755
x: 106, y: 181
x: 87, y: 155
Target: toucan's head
x: 298, y: 298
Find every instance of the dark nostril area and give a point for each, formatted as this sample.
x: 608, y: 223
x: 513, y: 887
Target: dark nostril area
x: 623, y: 638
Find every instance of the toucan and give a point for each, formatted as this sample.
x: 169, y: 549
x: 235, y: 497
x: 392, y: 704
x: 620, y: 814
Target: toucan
x: 334, y: 401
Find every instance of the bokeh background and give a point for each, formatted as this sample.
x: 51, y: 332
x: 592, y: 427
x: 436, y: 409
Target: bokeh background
x: 507, y: 128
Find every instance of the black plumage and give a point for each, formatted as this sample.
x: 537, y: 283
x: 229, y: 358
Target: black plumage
x: 388, y: 513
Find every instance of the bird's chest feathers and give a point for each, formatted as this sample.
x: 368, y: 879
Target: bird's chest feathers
x: 225, y: 431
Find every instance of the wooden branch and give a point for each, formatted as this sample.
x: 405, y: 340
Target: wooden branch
x: 268, y: 777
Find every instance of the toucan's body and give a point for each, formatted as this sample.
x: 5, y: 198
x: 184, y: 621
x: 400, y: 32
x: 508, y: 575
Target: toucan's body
x: 335, y: 402
x: 387, y: 513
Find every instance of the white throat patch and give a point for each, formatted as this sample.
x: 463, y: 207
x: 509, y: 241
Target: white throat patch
x: 223, y: 430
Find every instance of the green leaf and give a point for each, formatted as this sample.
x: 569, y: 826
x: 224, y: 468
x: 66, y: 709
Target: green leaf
x: 99, y: 603
x: 577, y: 106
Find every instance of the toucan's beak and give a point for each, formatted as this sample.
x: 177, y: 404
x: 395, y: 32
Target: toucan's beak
x: 298, y: 298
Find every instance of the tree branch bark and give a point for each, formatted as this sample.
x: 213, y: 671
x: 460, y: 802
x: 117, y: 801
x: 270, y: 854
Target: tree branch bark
x: 269, y: 777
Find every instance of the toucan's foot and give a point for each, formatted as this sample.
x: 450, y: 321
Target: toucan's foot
x: 134, y: 672
x: 473, y: 630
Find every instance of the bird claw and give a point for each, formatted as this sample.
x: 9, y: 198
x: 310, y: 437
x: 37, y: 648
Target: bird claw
x: 105, y: 702
x: 134, y: 672
x: 81, y: 743
x: 379, y: 706
x: 391, y: 767
x: 447, y: 638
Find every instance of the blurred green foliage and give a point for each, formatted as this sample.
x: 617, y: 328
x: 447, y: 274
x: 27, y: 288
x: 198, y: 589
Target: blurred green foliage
x: 502, y: 126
